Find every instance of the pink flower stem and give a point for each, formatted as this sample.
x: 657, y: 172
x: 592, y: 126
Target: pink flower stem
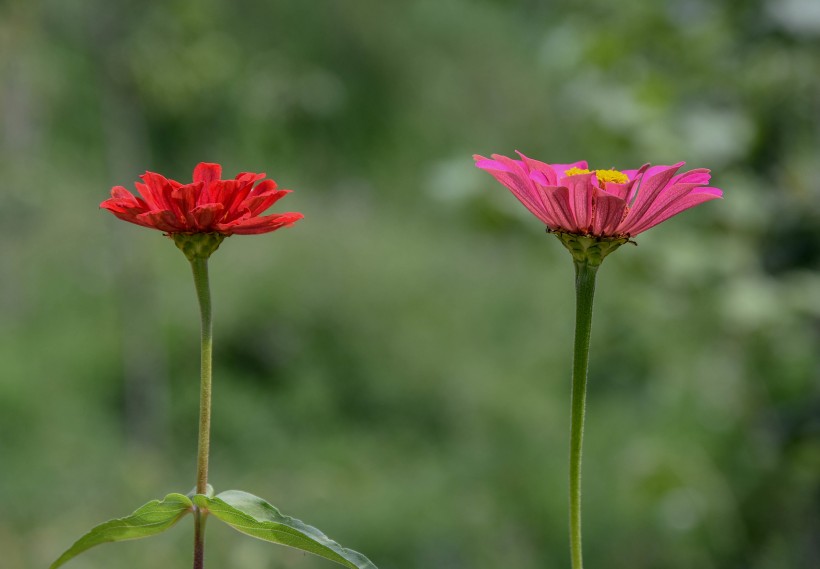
x: 199, y: 266
x: 584, y: 293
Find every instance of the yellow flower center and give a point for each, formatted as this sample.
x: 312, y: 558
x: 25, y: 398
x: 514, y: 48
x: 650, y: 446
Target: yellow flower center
x: 603, y: 176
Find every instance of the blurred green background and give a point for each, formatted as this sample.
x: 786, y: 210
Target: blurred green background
x: 395, y: 368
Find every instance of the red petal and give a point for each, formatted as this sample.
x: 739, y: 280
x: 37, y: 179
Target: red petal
x: 158, y: 189
x: 244, y: 186
x: 258, y: 203
x: 256, y: 225
x: 184, y: 200
x: 207, y: 172
x: 207, y: 215
x: 163, y: 220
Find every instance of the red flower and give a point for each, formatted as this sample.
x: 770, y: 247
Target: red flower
x: 207, y: 205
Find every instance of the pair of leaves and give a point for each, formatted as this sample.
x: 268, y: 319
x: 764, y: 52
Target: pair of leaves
x: 242, y: 511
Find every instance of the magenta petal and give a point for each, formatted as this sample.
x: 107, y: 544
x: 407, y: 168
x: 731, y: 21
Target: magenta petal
x: 561, y: 169
x: 580, y: 198
x: 653, y: 181
x: 578, y: 204
x: 618, y: 190
x: 512, y: 175
x: 676, y: 207
x: 487, y: 164
x: 558, y: 205
x: 539, y: 171
x: 608, y: 213
x: 635, y: 180
x: 670, y: 194
x: 699, y: 176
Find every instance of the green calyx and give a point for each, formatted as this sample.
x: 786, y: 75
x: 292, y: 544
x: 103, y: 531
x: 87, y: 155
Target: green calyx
x: 198, y: 245
x: 589, y: 249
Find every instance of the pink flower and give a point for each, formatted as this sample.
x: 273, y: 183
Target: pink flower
x: 569, y: 198
x: 207, y: 205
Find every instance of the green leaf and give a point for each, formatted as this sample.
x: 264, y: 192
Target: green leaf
x: 254, y: 516
x: 154, y: 517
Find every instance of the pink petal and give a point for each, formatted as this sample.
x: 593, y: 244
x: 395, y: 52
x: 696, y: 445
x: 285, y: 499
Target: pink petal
x: 650, y: 171
x: 653, y: 181
x: 607, y: 214
x: 672, y: 193
x: 626, y: 191
x: 487, y: 164
x: 546, y: 176
x: 698, y: 176
x: 558, y: 205
x: 636, y: 178
x: 676, y: 207
x: 561, y: 169
x: 580, y: 198
x: 512, y: 175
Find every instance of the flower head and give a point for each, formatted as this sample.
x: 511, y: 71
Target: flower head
x: 601, y: 204
x: 209, y: 204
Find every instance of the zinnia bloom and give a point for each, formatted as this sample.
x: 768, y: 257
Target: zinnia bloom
x: 605, y: 204
x: 207, y: 205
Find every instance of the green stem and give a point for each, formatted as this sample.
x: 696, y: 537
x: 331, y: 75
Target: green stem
x: 584, y: 293
x: 199, y: 267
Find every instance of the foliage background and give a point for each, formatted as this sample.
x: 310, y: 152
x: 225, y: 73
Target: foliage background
x: 394, y: 369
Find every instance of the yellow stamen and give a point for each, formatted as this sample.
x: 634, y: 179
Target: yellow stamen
x: 613, y: 176
x: 603, y: 176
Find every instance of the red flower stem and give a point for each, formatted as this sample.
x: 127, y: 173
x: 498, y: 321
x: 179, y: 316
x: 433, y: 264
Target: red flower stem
x: 199, y: 266
x: 199, y: 539
x: 584, y: 293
